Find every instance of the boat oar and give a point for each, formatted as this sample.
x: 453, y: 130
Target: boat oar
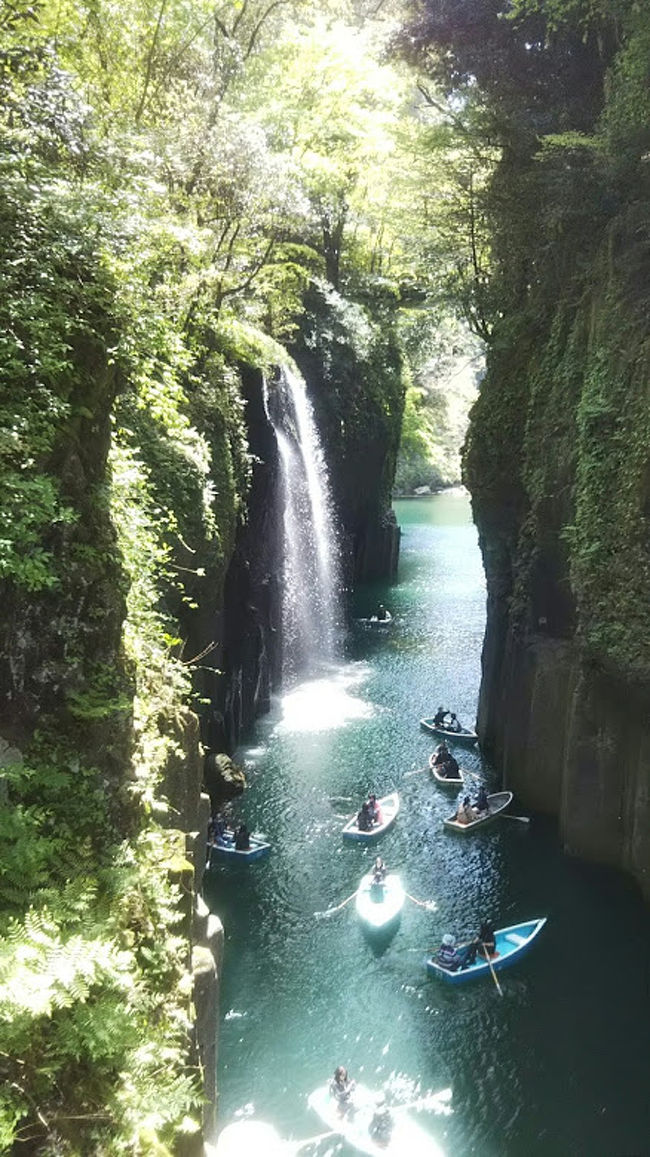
x: 331, y: 911
x: 430, y: 905
x: 492, y: 972
x: 521, y: 819
x: 419, y: 771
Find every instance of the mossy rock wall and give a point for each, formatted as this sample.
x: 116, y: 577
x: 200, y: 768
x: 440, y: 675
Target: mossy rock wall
x: 558, y: 463
x: 350, y: 359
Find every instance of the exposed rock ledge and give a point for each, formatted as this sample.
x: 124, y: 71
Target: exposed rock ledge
x: 573, y: 744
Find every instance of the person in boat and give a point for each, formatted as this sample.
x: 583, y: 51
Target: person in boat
x: 341, y: 1089
x: 374, y: 809
x: 378, y: 875
x: 441, y: 754
x: 439, y: 717
x: 452, y: 958
x: 482, y: 803
x: 242, y: 839
x: 382, y: 1123
x: 453, y: 724
x: 217, y: 829
x: 381, y: 614
x: 487, y: 942
x: 450, y: 769
x: 465, y: 813
x: 364, y: 818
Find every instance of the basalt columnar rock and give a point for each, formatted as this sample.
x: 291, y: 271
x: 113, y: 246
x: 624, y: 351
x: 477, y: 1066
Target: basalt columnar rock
x: 557, y: 456
x: 348, y: 354
x: 557, y: 462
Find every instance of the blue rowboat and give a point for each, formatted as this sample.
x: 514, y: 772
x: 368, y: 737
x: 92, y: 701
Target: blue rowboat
x: 465, y: 736
x: 389, y: 807
x: 224, y: 849
x: 511, y: 943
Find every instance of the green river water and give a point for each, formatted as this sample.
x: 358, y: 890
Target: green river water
x: 561, y: 1064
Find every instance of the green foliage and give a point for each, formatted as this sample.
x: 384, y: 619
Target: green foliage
x: 90, y: 1028
x: 557, y: 450
x: 179, y: 184
x: 436, y: 410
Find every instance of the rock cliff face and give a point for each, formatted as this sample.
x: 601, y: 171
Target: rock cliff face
x: 244, y: 666
x: 157, y: 589
x: 353, y: 375
x: 54, y: 642
x: 352, y: 364
x: 557, y: 462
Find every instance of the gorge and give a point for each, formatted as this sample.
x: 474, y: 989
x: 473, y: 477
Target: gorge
x: 234, y: 242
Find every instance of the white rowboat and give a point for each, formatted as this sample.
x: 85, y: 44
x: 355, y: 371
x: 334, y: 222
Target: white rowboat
x: 389, y: 807
x: 497, y: 803
x: 379, y: 905
x: 446, y: 780
x: 465, y: 736
x: 408, y: 1139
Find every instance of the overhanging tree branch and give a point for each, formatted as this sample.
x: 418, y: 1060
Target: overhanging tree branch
x: 150, y: 60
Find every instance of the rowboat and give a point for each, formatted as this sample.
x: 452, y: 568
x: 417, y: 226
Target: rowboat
x: 374, y: 624
x: 497, y: 803
x: 407, y: 1137
x: 446, y: 780
x: 465, y: 736
x: 380, y: 905
x: 511, y: 943
x: 389, y: 807
x: 224, y: 848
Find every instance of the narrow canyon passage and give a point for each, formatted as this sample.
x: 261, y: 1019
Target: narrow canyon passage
x: 560, y: 1064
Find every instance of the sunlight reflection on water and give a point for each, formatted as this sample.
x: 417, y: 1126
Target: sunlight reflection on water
x: 325, y: 704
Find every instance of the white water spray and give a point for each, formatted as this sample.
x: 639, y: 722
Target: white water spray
x: 310, y: 599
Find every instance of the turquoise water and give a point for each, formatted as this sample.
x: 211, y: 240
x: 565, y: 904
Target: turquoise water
x: 561, y: 1064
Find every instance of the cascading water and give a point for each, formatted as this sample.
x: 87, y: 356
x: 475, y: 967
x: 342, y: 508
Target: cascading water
x: 310, y: 598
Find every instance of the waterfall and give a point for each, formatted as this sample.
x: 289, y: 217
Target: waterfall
x: 310, y: 595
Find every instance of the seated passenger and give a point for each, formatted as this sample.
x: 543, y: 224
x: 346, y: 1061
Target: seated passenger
x: 441, y: 754
x: 381, y: 614
x: 218, y: 828
x: 341, y: 1089
x: 482, y: 803
x: 382, y: 1124
x: 439, y: 717
x: 452, y: 958
x: 378, y: 874
x: 364, y: 818
x: 242, y: 839
x: 450, y: 768
x: 465, y: 813
x: 453, y: 724
x: 487, y: 940
x: 374, y: 809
